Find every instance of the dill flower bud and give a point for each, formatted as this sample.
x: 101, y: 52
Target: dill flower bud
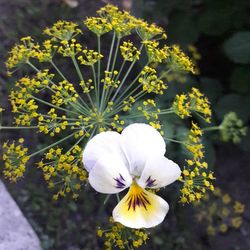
x: 232, y: 128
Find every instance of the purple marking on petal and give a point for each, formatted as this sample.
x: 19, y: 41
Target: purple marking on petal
x: 138, y: 200
x: 120, y: 182
x: 150, y: 182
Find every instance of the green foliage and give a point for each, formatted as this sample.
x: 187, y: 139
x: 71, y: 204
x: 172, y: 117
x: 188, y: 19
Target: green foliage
x: 240, y: 79
x: 221, y: 31
x: 237, y: 48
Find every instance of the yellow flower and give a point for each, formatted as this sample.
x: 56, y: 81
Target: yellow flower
x: 15, y: 158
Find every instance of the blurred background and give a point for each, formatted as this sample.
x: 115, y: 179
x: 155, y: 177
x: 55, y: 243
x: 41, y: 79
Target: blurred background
x: 216, y: 33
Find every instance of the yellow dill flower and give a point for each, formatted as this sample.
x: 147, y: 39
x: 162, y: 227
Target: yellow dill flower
x: 236, y: 222
x: 89, y: 57
x: 178, y: 61
x: 217, y: 214
x: 46, y: 53
x: 181, y: 106
x: 121, y: 237
x: 15, y: 158
x: 52, y: 124
x: 64, y: 93
x: 150, y: 82
x: 194, y: 101
x: 129, y: 51
x: 21, y: 53
x: 63, y: 30
x: 156, y: 54
x: 87, y: 86
x: 1, y: 109
x: 151, y: 113
x: 69, y: 48
x: 25, y: 106
x: 57, y: 164
x: 110, y: 79
x: 98, y: 25
x: 121, y: 21
x: 239, y: 208
x: 128, y: 104
x: 102, y: 99
x: 149, y: 31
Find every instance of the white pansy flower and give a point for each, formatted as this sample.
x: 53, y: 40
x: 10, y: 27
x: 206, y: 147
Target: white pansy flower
x: 133, y: 159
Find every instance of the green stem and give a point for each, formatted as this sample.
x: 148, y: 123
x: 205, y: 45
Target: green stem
x: 111, y: 52
x: 7, y: 128
x: 173, y: 140
x: 85, y: 107
x: 118, y: 198
x: 95, y: 83
x: 109, y: 92
x: 107, y: 69
x: 125, y: 77
x: 99, y: 69
x: 54, y: 106
x: 116, y: 51
x: 37, y: 70
x: 52, y: 145
x: 212, y: 128
x: 81, y: 77
x: 166, y: 112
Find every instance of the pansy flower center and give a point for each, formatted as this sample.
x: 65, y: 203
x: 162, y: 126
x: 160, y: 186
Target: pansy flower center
x: 137, y: 197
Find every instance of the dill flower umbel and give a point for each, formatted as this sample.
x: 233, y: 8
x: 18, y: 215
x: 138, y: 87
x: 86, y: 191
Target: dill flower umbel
x: 220, y: 212
x: 103, y: 94
x: 15, y: 157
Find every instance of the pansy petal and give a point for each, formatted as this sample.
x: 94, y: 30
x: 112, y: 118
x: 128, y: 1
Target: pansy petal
x: 109, y: 175
x: 104, y: 143
x: 159, y: 172
x: 139, y: 141
x: 140, y: 209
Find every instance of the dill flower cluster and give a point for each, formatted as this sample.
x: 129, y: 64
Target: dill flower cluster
x: 195, y: 102
x: 232, y: 128
x: 220, y: 212
x: 121, y: 237
x: 15, y: 156
x: 195, y: 177
x: 118, y: 89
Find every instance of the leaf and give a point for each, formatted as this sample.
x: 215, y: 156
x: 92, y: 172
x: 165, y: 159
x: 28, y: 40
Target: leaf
x: 182, y: 29
x: 212, y: 88
x: 233, y: 102
x: 209, y: 152
x: 240, y: 79
x: 213, y: 22
x: 237, y: 48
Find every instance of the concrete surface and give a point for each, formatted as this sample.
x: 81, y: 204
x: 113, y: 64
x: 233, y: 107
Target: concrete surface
x: 15, y: 231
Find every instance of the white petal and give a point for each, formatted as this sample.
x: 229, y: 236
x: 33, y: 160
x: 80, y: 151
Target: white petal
x: 109, y: 175
x: 103, y: 143
x: 140, y: 209
x: 140, y: 141
x: 159, y: 172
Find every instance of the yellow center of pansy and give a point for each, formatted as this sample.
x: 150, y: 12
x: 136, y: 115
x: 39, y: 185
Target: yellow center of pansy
x: 137, y: 197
